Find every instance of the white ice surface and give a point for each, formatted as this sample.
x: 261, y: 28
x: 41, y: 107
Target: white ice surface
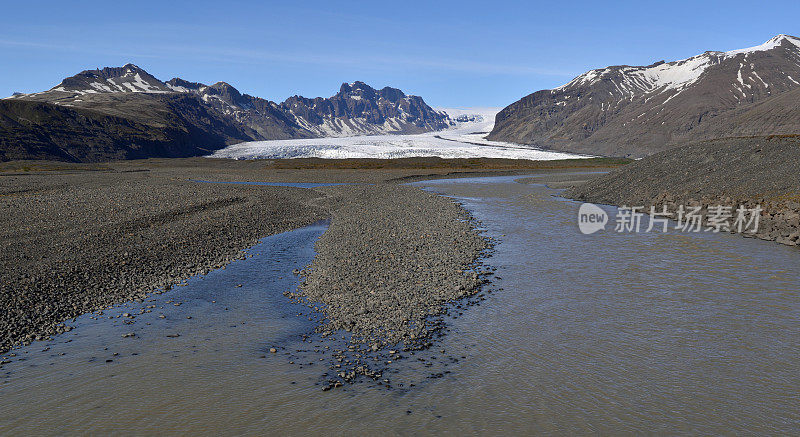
x: 466, y: 140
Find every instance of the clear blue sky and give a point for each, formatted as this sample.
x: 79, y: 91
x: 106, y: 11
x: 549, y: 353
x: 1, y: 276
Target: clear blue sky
x: 455, y: 54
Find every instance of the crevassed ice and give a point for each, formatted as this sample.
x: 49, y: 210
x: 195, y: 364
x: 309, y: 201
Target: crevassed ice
x: 466, y: 140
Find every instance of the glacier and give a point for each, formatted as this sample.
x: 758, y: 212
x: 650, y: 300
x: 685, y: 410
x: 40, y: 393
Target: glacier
x: 464, y: 140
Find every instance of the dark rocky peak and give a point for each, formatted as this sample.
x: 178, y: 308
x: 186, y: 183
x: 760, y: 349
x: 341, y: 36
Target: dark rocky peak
x: 365, y: 91
x: 357, y: 88
x: 125, y: 70
x: 225, y: 91
x: 304, y: 101
x: 392, y: 94
x: 126, y: 79
x: 295, y: 99
x: 182, y: 85
x: 221, y: 91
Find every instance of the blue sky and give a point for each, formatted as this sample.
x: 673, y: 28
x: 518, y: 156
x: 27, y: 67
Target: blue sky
x: 453, y: 54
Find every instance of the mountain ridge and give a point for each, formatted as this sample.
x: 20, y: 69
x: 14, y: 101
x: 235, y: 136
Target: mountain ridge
x: 638, y: 110
x: 179, y: 112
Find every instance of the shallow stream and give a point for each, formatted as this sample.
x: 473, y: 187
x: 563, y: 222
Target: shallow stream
x: 606, y: 333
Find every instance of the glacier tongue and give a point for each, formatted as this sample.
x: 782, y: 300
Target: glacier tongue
x: 465, y: 140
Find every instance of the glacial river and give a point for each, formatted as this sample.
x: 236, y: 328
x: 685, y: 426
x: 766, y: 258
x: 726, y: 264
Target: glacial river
x: 591, y: 334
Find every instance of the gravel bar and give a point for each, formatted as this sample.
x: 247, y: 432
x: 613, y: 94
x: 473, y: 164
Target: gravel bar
x: 392, y: 258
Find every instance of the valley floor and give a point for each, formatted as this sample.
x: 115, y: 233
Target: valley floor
x: 81, y: 237
x: 678, y: 332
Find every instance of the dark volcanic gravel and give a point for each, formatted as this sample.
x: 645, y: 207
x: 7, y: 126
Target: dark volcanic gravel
x: 393, y: 263
x: 732, y: 171
x: 391, y: 259
x: 74, y: 243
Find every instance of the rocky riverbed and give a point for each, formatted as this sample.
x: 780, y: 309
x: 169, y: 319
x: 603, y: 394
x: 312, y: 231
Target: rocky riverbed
x: 79, y: 238
x: 75, y: 243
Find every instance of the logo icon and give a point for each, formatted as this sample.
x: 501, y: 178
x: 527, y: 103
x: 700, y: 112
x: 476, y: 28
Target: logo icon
x: 591, y: 218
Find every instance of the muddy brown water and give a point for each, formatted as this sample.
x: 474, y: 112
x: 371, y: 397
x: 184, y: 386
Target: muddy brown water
x: 600, y: 334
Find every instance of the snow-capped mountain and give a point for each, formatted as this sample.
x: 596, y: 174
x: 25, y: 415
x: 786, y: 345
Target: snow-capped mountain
x: 357, y: 109
x: 638, y: 110
x: 143, y: 116
x: 264, y: 117
x: 126, y: 79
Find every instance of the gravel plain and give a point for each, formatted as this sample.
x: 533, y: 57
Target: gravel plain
x: 77, y: 238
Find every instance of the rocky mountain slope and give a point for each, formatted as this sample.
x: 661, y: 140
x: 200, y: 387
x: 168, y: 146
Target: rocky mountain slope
x: 124, y: 112
x: 636, y: 111
x: 358, y: 109
x: 138, y: 126
x: 749, y: 171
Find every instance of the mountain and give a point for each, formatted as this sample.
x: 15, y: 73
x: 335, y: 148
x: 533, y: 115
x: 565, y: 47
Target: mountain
x: 126, y: 79
x: 639, y: 110
x: 264, y: 117
x: 169, y: 126
x: 358, y: 108
x: 93, y: 115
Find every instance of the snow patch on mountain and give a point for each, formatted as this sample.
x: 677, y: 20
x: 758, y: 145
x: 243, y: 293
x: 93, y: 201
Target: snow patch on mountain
x: 660, y: 77
x: 628, y: 110
x: 657, y: 77
x: 769, y: 45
